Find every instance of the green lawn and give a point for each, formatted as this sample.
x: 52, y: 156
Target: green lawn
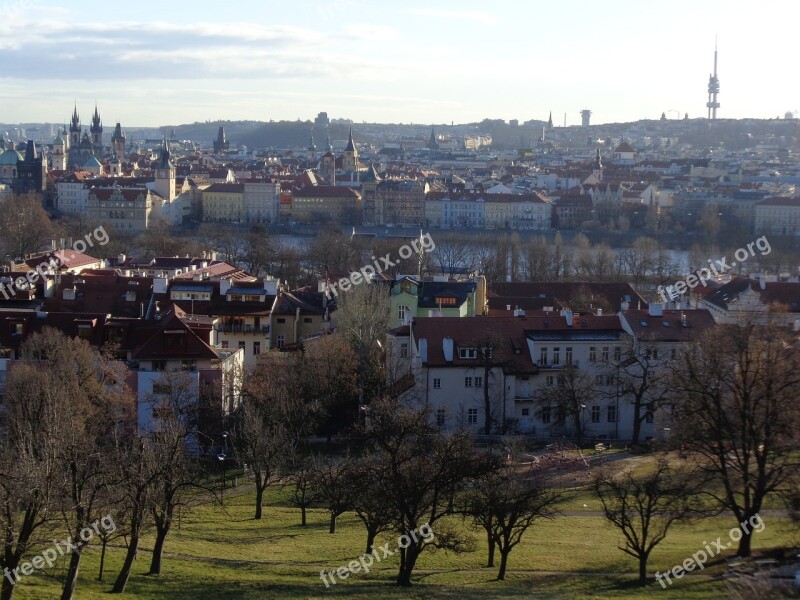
x: 220, y: 553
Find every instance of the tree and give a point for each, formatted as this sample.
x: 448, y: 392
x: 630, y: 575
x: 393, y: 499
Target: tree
x: 644, y: 508
x: 735, y: 408
x: 180, y: 478
x: 302, y: 493
x: 422, y: 472
x: 363, y: 317
x: 641, y: 377
x: 25, y: 227
x: 94, y: 407
x: 276, y: 410
x: 333, y: 480
x: 506, y: 504
x: 569, y: 397
x: 29, y: 470
x: 369, y: 502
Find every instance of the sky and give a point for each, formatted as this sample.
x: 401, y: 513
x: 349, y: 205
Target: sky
x: 166, y: 63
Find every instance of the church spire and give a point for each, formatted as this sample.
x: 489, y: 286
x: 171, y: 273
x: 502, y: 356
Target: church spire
x: 351, y: 147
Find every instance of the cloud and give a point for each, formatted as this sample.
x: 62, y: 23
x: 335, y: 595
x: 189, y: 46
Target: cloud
x: 461, y: 15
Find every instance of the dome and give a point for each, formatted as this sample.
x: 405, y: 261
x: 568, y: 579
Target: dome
x: 10, y: 157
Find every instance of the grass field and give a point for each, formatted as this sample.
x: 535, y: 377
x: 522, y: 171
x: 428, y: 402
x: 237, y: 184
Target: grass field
x: 222, y: 553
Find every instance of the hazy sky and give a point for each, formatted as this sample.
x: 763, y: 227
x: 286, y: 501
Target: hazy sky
x: 158, y: 63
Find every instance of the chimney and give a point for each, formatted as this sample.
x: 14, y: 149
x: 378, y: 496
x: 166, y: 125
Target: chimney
x: 656, y: 310
x: 447, y: 348
x: 599, y: 312
x: 224, y: 286
x: 271, y: 286
x: 159, y: 285
x: 121, y: 259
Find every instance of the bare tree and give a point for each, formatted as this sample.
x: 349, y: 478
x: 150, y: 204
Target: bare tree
x: 30, y: 472
x: 94, y: 407
x: 735, y: 407
x: 332, y: 478
x: 422, y: 473
x: 644, y: 507
x: 569, y: 397
x: 302, y: 493
x: 24, y: 226
x: 363, y: 317
x: 506, y: 504
x: 641, y: 375
x: 277, y: 409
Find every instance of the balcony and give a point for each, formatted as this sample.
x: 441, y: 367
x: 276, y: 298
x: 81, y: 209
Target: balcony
x: 238, y: 328
x: 544, y: 366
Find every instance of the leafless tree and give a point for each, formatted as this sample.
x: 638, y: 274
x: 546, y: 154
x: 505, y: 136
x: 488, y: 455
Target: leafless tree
x: 422, y: 473
x: 302, y: 493
x: 24, y: 226
x: 505, y: 504
x: 735, y: 409
x: 30, y: 472
x: 333, y: 480
x: 277, y: 409
x: 644, y: 507
x: 363, y: 318
x: 569, y: 398
x: 94, y: 408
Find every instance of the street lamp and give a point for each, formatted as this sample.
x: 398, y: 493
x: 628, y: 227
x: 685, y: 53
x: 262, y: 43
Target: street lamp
x: 222, y: 456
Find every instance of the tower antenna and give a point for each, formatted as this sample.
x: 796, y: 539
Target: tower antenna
x: 713, y: 88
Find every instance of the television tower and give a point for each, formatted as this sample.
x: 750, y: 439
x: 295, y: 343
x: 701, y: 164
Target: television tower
x: 713, y: 89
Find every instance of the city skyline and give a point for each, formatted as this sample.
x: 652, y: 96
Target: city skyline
x: 152, y: 65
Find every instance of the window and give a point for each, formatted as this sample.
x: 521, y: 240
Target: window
x: 546, y: 414
x: 478, y: 382
x: 598, y: 380
x: 526, y: 412
x: 159, y: 365
x: 281, y: 321
x: 437, y: 383
x: 162, y: 388
x: 189, y: 365
x: 612, y: 413
x: 402, y: 311
x: 467, y: 381
x: 472, y: 416
x: 617, y: 353
x: 568, y: 355
x: 595, y: 414
x: 605, y: 353
x: 224, y: 344
x: 556, y: 356
x: 648, y: 417
x: 592, y: 354
x: 308, y: 320
x: 467, y: 353
x: 441, y: 416
x: 241, y: 345
x: 543, y: 356
x: 673, y: 354
x: 279, y: 342
x: 256, y: 348
x: 550, y: 380
x: 404, y: 350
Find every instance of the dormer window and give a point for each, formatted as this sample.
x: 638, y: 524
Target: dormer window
x: 467, y: 353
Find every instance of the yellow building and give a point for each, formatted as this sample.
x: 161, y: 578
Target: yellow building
x: 320, y: 202
x: 223, y: 203
x: 778, y: 216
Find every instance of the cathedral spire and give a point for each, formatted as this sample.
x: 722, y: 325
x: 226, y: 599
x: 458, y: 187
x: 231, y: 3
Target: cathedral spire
x: 351, y: 147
